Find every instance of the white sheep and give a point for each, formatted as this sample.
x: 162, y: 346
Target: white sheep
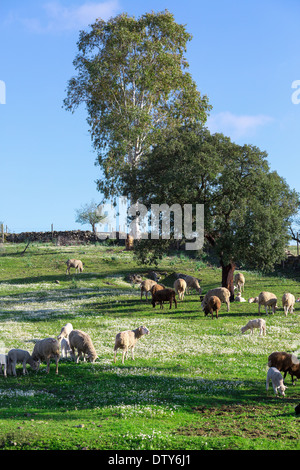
x: 3, y: 364
x: 239, y: 281
x: 266, y: 299
x: 239, y: 298
x: 221, y: 292
x: 275, y: 376
x: 65, y: 331
x: 127, y: 340
x: 146, y: 287
x: 63, y: 339
x: 180, y: 288
x: 46, y: 349
x: 257, y: 323
x: 74, y: 263
x: 65, y: 347
x: 82, y: 342
x: 192, y: 283
x: 288, y: 303
x: 15, y: 356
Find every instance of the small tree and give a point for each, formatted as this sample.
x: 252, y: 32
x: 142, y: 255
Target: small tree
x: 90, y: 214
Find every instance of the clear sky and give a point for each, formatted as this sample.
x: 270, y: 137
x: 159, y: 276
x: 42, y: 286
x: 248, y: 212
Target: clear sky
x: 245, y: 55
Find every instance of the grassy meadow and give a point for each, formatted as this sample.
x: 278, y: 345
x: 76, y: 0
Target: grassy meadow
x: 195, y: 383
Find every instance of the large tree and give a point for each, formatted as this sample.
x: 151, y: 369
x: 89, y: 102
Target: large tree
x: 133, y: 79
x: 247, y: 206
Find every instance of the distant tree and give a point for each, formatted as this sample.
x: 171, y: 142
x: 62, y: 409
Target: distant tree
x: 248, y: 207
x: 90, y: 214
x: 133, y: 81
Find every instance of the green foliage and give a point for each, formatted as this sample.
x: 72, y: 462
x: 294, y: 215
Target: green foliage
x: 247, y: 207
x: 133, y: 79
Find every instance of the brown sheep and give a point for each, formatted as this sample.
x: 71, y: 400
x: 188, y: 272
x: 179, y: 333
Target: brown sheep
x: 285, y: 362
x: 164, y: 295
x: 156, y: 288
x: 213, y: 305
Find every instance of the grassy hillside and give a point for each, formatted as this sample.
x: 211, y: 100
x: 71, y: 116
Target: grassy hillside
x: 195, y: 384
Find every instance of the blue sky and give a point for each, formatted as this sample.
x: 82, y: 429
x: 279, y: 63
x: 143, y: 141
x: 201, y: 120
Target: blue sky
x: 245, y: 55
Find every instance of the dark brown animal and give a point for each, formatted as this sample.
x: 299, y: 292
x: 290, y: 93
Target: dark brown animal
x: 156, y: 288
x: 213, y: 305
x: 164, y: 295
x: 285, y: 362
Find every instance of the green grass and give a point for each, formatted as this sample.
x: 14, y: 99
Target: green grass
x: 195, y: 384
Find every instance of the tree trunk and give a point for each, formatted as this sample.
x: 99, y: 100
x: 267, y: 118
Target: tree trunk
x: 227, y: 278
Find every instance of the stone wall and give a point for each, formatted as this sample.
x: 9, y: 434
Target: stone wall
x: 74, y: 237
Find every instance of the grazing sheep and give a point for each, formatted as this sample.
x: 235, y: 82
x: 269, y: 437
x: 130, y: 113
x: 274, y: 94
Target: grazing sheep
x: 266, y: 299
x: 15, y: 356
x: 192, y: 283
x: 275, y: 376
x: 82, y: 342
x: 288, y: 303
x: 127, y: 340
x: 164, y: 295
x: 257, y: 323
x: 180, y: 288
x: 285, y: 362
x: 146, y: 287
x: 65, y: 331
x: 239, y: 281
x: 46, y: 349
x: 3, y: 364
x: 74, y: 263
x: 221, y: 292
x: 213, y: 305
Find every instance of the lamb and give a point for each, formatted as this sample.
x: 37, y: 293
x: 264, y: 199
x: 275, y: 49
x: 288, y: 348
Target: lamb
x: 3, y: 364
x: 63, y: 339
x: 257, y: 323
x: 82, y: 342
x: 275, y: 376
x: 127, y: 340
x: 213, y: 305
x: 46, y: 349
x: 192, y: 283
x: 65, y: 347
x: 19, y: 355
x: 239, y: 281
x: 285, y: 362
x: 74, y: 263
x: 221, y: 292
x: 65, y: 331
x: 146, y: 287
x: 288, y: 303
x: 164, y: 295
x: 180, y: 288
x: 239, y: 298
x: 266, y: 299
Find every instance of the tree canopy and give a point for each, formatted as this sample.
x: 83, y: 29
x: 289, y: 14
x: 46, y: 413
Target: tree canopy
x: 247, y: 207
x: 133, y: 79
